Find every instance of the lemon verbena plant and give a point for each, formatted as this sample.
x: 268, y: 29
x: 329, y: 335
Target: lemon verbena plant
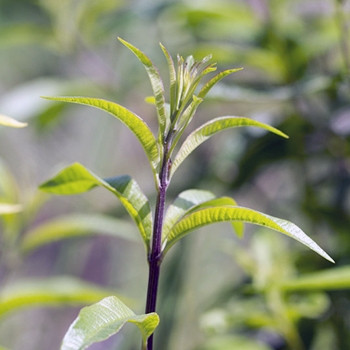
x: 191, y: 209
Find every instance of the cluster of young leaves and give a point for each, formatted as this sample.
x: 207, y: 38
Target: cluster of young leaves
x: 191, y: 209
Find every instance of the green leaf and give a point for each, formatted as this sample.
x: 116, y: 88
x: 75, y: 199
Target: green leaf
x: 157, y: 85
x: 205, y: 89
x: 212, y: 215
x: 104, y: 319
x: 131, y: 120
x: 212, y: 127
x: 55, y: 291
x: 77, y: 179
x: 172, y: 77
x: 330, y: 279
x: 183, y: 202
x: 72, y: 226
x: 6, y: 208
x: 13, y: 123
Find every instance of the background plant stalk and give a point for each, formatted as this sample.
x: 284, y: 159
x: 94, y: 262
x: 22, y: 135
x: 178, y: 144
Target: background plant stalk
x: 155, y: 255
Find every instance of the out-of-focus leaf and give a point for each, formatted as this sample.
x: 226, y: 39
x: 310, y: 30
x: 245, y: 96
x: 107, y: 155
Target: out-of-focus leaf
x: 6, y: 208
x: 55, y: 291
x: 233, y: 342
x: 157, y: 85
x: 77, y: 179
x: 71, y: 226
x: 212, y: 127
x: 13, y: 123
x: 330, y: 279
x: 104, y: 319
x: 131, y: 120
x: 212, y: 215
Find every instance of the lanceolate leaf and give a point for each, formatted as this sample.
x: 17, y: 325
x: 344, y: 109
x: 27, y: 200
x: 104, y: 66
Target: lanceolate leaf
x: 77, y: 179
x: 131, y: 120
x: 332, y: 279
x: 55, y: 291
x: 212, y: 215
x: 184, y: 201
x: 205, y: 89
x: 212, y: 127
x: 104, y: 319
x: 71, y: 226
x: 156, y: 82
x: 13, y: 123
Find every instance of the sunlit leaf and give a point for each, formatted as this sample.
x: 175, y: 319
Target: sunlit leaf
x: 6, y: 208
x: 130, y: 119
x: 330, y: 279
x: 212, y: 127
x: 156, y: 82
x: 77, y: 179
x: 55, y: 291
x: 206, y: 88
x: 212, y: 215
x: 104, y: 319
x: 13, y: 123
x: 72, y: 226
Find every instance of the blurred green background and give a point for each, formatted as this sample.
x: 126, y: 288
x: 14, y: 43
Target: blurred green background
x: 217, y: 292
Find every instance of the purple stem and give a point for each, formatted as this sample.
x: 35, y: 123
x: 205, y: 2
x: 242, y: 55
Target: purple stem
x: 155, y: 255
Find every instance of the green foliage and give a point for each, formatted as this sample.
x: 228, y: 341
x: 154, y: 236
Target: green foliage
x: 102, y: 320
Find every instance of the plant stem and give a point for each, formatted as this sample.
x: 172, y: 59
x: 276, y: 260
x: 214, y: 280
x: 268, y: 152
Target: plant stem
x: 155, y: 255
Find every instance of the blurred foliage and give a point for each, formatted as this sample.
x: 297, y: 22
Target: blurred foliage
x: 296, y: 77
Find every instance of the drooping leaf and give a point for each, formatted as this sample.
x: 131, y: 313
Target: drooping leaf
x: 212, y: 127
x: 6, y: 208
x: 104, y: 319
x: 130, y: 119
x: 331, y: 279
x: 13, y: 123
x: 184, y: 201
x: 77, y: 179
x: 71, y: 226
x: 157, y: 85
x: 206, y: 88
x: 54, y: 291
x: 212, y: 215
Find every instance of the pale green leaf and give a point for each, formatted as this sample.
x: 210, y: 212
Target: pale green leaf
x: 54, y: 291
x: 77, y: 179
x: 130, y: 119
x: 331, y: 279
x: 212, y: 127
x: 206, y: 88
x: 157, y: 85
x: 13, y: 123
x: 183, y: 202
x: 75, y: 225
x: 212, y: 215
x: 6, y: 208
x: 100, y: 321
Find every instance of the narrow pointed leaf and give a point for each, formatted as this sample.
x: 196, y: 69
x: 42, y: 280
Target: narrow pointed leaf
x: 130, y: 119
x: 54, y: 291
x: 184, y: 201
x: 172, y: 77
x: 156, y: 82
x: 211, y: 128
x: 331, y: 279
x: 100, y: 321
x: 77, y: 179
x: 212, y: 215
x: 72, y: 226
x: 12, y: 123
x: 205, y: 89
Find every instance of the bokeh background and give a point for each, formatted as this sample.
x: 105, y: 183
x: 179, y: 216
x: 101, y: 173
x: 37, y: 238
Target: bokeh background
x: 217, y: 292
